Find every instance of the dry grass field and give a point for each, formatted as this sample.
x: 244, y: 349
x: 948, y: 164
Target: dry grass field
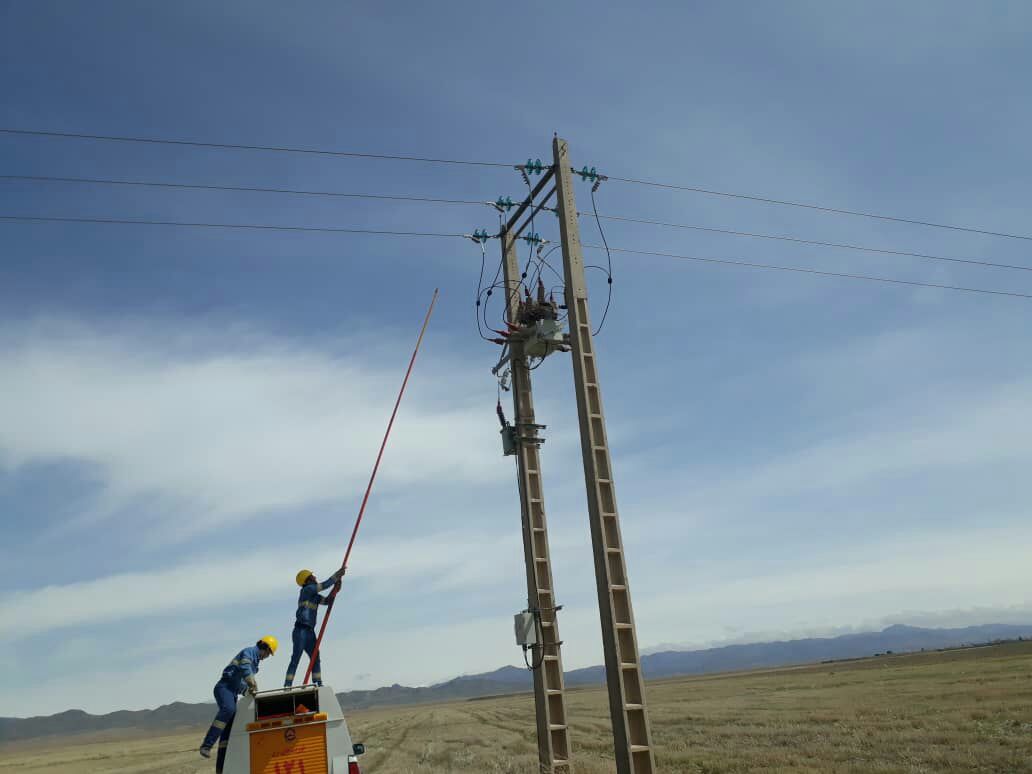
x: 961, y: 711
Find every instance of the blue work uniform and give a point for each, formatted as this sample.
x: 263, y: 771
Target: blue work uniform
x: 308, y: 602
x: 227, y: 689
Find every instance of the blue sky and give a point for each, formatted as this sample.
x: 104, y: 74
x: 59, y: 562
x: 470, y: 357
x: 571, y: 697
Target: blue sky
x: 189, y: 416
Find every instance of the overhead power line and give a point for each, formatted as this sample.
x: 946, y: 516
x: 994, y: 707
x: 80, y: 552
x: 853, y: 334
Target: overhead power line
x: 384, y: 232
x: 820, y: 272
x: 436, y: 200
x: 798, y: 240
x: 235, y: 188
x: 466, y: 162
x: 818, y: 207
x: 237, y: 146
x: 256, y: 226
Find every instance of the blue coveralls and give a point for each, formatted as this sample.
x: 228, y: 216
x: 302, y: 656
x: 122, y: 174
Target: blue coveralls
x: 308, y: 602
x: 227, y: 689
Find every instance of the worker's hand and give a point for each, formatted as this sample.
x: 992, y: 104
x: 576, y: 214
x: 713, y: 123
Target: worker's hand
x: 340, y: 573
x: 252, y: 686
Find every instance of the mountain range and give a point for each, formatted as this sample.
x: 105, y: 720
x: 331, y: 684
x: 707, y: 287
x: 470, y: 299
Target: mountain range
x: 509, y: 679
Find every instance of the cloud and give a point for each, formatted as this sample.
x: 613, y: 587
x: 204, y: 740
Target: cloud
x: 402, y: 569
x: 210, y: 428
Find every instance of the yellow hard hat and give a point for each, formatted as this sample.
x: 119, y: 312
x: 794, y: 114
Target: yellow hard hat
x: 302, y: 576
x: 271, y: 642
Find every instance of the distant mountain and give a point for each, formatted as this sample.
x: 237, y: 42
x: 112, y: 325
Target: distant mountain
x: 897, y: 639
x: 509, y: 679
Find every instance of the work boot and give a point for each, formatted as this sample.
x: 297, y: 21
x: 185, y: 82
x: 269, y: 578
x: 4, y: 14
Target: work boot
x: 205, y: 752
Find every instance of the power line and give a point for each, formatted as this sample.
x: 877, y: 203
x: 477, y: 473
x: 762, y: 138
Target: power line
x: 464, y: 162
x: 261, y: 227
x: 802, y: 270
x: 799, y: 240
x: 237, y: 146
x: 435, y: 200
x: 235, y: 188
x: 819, y: 208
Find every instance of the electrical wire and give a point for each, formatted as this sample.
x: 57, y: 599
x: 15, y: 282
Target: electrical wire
x: 480, y: 284
x: 609, y: 260
x: 818, y: 207
x: 819, y: 272
x: 465, y: 162
x: 250, y: 226
x: 238, y: 146
x: 234, y: 188
x: 799, y: 240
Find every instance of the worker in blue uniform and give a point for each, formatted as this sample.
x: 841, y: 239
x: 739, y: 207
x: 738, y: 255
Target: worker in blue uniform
x: 237, y: 677
x: 308, y: 601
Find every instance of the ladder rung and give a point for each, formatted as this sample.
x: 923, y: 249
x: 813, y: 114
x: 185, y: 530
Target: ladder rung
x: 623, y: 626
x: 612, y: 550
x: 556, y: 726
x: 624, y: 665
x: 541, y: 559
x: 550, y: 658
x: 552, y: 692
x: 633, y: 707
x: 552, y: 623
x: 635, y: 748
x: 538, y: 529
x: 617, y: 587
x: 596, y: 447
x: 545, y: 591
x: 595, y: 416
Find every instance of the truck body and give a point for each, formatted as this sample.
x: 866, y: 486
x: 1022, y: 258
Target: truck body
x: 291, y: 731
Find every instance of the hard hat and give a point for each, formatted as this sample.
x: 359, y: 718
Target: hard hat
x: 302, y: 576
x: 271, y: 642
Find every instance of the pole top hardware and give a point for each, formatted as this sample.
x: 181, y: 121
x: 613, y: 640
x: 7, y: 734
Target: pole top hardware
x: 532, y: 167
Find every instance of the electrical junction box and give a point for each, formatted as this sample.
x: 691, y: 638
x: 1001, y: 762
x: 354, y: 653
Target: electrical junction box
x: 544, y: 338
x: 526, y: 629
x: 508, y: 440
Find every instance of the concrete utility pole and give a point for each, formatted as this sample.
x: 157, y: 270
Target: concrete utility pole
x: 632, y: 735
x: 549, y: 696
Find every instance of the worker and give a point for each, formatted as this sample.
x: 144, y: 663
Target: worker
x: 308, y: 601
x: 237, y: 677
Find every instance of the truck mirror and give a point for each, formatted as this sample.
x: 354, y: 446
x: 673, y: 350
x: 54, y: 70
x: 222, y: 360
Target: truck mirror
x: 358, y: 749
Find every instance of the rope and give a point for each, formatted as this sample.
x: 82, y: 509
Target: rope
x: 369, y: 488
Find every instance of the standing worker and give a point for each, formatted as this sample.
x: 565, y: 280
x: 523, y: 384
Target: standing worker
x: 308, y: 602
x: 237, y: 677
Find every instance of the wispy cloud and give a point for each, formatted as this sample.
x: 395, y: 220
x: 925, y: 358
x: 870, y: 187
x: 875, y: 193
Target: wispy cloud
x: 243, y: 425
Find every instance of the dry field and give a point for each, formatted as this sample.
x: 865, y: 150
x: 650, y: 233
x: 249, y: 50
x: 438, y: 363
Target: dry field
x: 962, y: 711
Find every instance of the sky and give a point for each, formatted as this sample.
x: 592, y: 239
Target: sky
x: 188, y: 416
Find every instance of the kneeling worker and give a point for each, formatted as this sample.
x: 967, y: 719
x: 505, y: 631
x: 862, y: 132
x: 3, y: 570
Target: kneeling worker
x: 308, y: 602
x: 237, y: 677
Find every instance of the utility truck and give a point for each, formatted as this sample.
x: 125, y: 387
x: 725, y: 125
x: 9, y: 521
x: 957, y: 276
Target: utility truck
x: 291, y: 731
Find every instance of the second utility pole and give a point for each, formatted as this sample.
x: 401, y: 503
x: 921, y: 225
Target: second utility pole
x: 553, y: 733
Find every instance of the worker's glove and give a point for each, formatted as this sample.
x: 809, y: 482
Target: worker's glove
x: 252, y: 686
x: 340, y: 573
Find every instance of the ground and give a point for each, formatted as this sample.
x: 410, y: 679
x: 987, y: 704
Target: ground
x: 960, y: 711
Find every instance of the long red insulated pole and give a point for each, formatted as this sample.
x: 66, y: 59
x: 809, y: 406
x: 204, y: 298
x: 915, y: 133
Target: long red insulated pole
x: 369, y: 487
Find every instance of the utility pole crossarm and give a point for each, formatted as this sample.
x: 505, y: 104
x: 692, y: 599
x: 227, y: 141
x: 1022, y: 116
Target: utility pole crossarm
x: 549, y: 692
x: 632, y: 734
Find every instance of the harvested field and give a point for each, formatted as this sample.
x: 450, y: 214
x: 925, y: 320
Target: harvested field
x: 959, y: 711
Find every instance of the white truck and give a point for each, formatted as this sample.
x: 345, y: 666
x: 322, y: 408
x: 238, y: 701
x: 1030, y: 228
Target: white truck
x: 291, y: 731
